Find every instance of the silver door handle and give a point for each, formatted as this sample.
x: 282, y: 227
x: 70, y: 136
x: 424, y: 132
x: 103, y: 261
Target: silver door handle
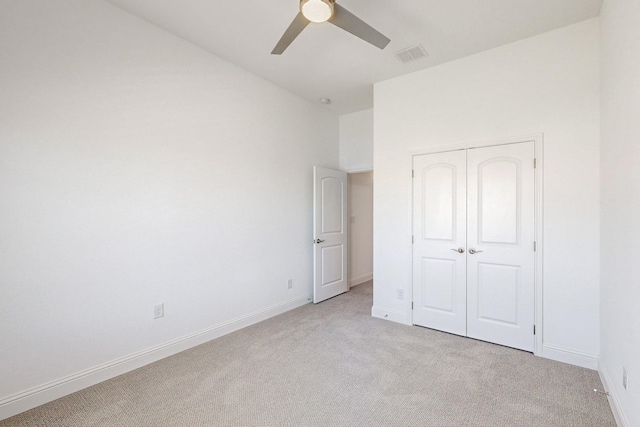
x: 473, y: 251
x: 318, y: 241
x: 459, y: 250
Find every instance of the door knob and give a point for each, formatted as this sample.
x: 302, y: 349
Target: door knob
x: 459, y: 250
x: 473, y: 251
x: 318, y: 241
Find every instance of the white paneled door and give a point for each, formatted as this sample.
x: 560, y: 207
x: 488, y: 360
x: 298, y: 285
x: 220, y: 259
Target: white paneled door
x: 473, y: 262
x: 500, y: 238
x: 330, y: 231
x: 440, y: 240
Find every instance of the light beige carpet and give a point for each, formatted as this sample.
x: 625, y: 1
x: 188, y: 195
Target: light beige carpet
x: 333, y: 364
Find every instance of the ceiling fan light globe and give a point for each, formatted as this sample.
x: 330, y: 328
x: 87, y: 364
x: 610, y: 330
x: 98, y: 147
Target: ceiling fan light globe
x: 317, y: 10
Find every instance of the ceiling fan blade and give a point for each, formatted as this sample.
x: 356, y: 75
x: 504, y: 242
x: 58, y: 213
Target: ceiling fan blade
x: 299, y: 23
x: 349, y: 22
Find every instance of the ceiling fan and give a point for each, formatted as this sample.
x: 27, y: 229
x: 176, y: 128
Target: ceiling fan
x: 329, y: 11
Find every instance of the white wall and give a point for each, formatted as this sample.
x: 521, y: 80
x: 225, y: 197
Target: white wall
x: 356, y: 141
x: 360, y: 227
x: 620, y: 186
x: 137, y: 169
x: 549, y: 84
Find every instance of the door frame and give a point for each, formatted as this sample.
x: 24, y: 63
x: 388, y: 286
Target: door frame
x: 538, y: 143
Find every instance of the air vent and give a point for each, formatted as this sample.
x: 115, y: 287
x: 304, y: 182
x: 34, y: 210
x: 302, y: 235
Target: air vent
x: 411, y: 54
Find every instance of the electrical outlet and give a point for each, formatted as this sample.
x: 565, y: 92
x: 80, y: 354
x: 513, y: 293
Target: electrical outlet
x: 289, y: 283
x: 158, y: 311
x: 624, y: 377
x: 400, y: 293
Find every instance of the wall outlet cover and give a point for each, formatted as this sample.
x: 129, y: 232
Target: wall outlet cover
x: 158, y: 311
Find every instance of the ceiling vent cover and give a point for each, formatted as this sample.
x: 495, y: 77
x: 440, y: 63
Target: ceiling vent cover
x: 411, y: 54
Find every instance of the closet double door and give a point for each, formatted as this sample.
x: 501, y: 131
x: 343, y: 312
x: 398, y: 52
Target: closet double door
x: 473, y: 251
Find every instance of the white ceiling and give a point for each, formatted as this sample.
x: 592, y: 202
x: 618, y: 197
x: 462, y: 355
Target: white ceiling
x: 325, y: 61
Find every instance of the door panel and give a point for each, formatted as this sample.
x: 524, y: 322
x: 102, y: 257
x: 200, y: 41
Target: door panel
x: 498, y: 287
x: 439, y: 204
x: 331, y: 192
x: 499, y: 202
x: 500, y: 221
x: 330, y: 230
x: 439, y: 230
x: 332, y: 268
x: 438, y: 284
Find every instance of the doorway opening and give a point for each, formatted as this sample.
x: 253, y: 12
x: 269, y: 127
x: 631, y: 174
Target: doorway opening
x: 360, y: 206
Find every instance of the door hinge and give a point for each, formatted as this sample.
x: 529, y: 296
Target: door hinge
x: 412, y: 240
x: 535, y: 163
x: 535, y: 246
x: 534, y: 329
x: 413, y: 173
x: 411, y: 305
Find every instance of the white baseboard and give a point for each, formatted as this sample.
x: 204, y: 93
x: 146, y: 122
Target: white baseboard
x: 359, y: 280
x: 36, y: 396
x: 614, y: 402
x: 394, y: 316
x: 570, y: 356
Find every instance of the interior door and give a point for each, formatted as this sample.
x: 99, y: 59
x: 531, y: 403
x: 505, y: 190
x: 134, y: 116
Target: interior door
x: 330, y: 230
x: 500, y: 241
x: 473, y: 252
x: 439, y: 233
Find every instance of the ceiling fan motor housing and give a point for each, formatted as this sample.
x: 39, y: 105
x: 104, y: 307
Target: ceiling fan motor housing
x: 317, y: 10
